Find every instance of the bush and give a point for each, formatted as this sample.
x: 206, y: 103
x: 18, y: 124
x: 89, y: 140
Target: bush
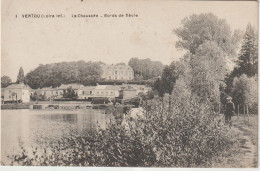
x: 169, y: 134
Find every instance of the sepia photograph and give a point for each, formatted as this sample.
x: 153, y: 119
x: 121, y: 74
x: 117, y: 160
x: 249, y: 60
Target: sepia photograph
x: 127, y: 83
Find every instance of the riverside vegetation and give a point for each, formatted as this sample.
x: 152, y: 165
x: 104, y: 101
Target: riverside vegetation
x: 169, y: 134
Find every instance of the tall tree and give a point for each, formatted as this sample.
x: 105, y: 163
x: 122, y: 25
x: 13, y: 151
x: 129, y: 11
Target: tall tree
x: 5, y: 81
x: 20, y: 76
x: 247, y: 62
x: 209, y: 43
x: 248, y: 57
x: 166, y: 83
x: 198, y: 29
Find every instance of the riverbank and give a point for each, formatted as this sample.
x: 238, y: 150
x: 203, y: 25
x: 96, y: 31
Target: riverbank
x: 14, y: 106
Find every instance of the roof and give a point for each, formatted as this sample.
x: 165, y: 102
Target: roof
x: 18, y: 86
x: 119, y: 66
x: 107, y: 87
x: 49, y: 89
x: 73, y: 86
x: 88, y: 88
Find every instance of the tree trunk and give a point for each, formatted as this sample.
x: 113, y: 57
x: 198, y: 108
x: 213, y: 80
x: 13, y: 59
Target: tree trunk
x: 237, y: 110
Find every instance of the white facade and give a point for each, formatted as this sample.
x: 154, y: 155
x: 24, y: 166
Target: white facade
x: 117, y: 72
x: 17, y: 92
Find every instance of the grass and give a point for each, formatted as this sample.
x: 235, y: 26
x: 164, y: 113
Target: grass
x: 245, y: 153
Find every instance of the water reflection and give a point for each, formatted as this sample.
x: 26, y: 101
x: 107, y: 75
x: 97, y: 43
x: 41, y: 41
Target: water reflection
x: 39, y: 127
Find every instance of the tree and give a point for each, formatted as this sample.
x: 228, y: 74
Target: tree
x: 244, y: 90
x: 209, y: 43
x: 208, y: 71
x: 198, y: 29
x: 20, y: 76
x: 145, y: 68
x: 5, y: 81
x: 70, y: 93
x: 166, y: 83
x: 55, y: 74
x: 248, y: 57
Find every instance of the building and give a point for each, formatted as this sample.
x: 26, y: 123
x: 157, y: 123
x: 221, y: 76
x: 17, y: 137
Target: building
x: 17, y: 92
x: 117, y: 72
x: 63, y: 88
x: 109, y: 91
x: 86, y: 92
x: 128, y: 92
x: 141, y: 89
x: 49, y: 92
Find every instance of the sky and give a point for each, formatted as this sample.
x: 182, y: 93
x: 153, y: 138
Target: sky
x: 28, y: 42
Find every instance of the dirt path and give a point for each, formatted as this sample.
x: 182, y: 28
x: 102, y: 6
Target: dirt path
x: 248, y: 153
x: 247, y: 156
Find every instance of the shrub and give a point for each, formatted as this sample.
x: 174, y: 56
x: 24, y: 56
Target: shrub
x: 168, y: 134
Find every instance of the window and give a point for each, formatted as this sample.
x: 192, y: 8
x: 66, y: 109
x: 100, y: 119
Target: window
x: 102, y: 92
x: 111, y: 92
x: 115, y: 72
x: 97, y: 93
x: 10, y: 91
x: 110, y: 77
x: 106, y: 93
x: 82, y: 92
x: 115, y: 77
x: 90, y: 92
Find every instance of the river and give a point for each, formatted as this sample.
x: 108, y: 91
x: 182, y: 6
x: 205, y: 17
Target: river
x: 29, y: 128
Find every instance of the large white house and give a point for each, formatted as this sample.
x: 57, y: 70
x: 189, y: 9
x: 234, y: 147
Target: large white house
x: 17, y: 92
x: 117, y: 72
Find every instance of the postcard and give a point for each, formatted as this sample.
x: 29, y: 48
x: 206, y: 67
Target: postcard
x: 126, y: 83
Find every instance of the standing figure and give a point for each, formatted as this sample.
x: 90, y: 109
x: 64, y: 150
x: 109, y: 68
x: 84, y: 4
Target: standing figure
x: 229, y: 110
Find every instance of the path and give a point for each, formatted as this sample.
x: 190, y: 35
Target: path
x: 247, y: 138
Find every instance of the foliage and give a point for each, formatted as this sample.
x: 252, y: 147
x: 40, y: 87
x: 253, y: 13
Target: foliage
x: 208, y: 71
x: 210, y: 43
x: 145, y: 68
x: 70, y: 93
x: 166, y: 83
x: 244, y: 90
x: 248, y: 57
x: 87, y: 73
x: 20, y: 76
x: 200, y: 28
x: 168, y: 134
x: 5, y: 81
x: 36, y: 96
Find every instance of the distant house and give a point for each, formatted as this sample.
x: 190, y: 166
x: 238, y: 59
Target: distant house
x: 49, y: 92
x: 86, y: 92
x: 17, y: 92
x: 109, y: 91
x: 128, y: 92
x: 63, y: 88
x: 117, y: 72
